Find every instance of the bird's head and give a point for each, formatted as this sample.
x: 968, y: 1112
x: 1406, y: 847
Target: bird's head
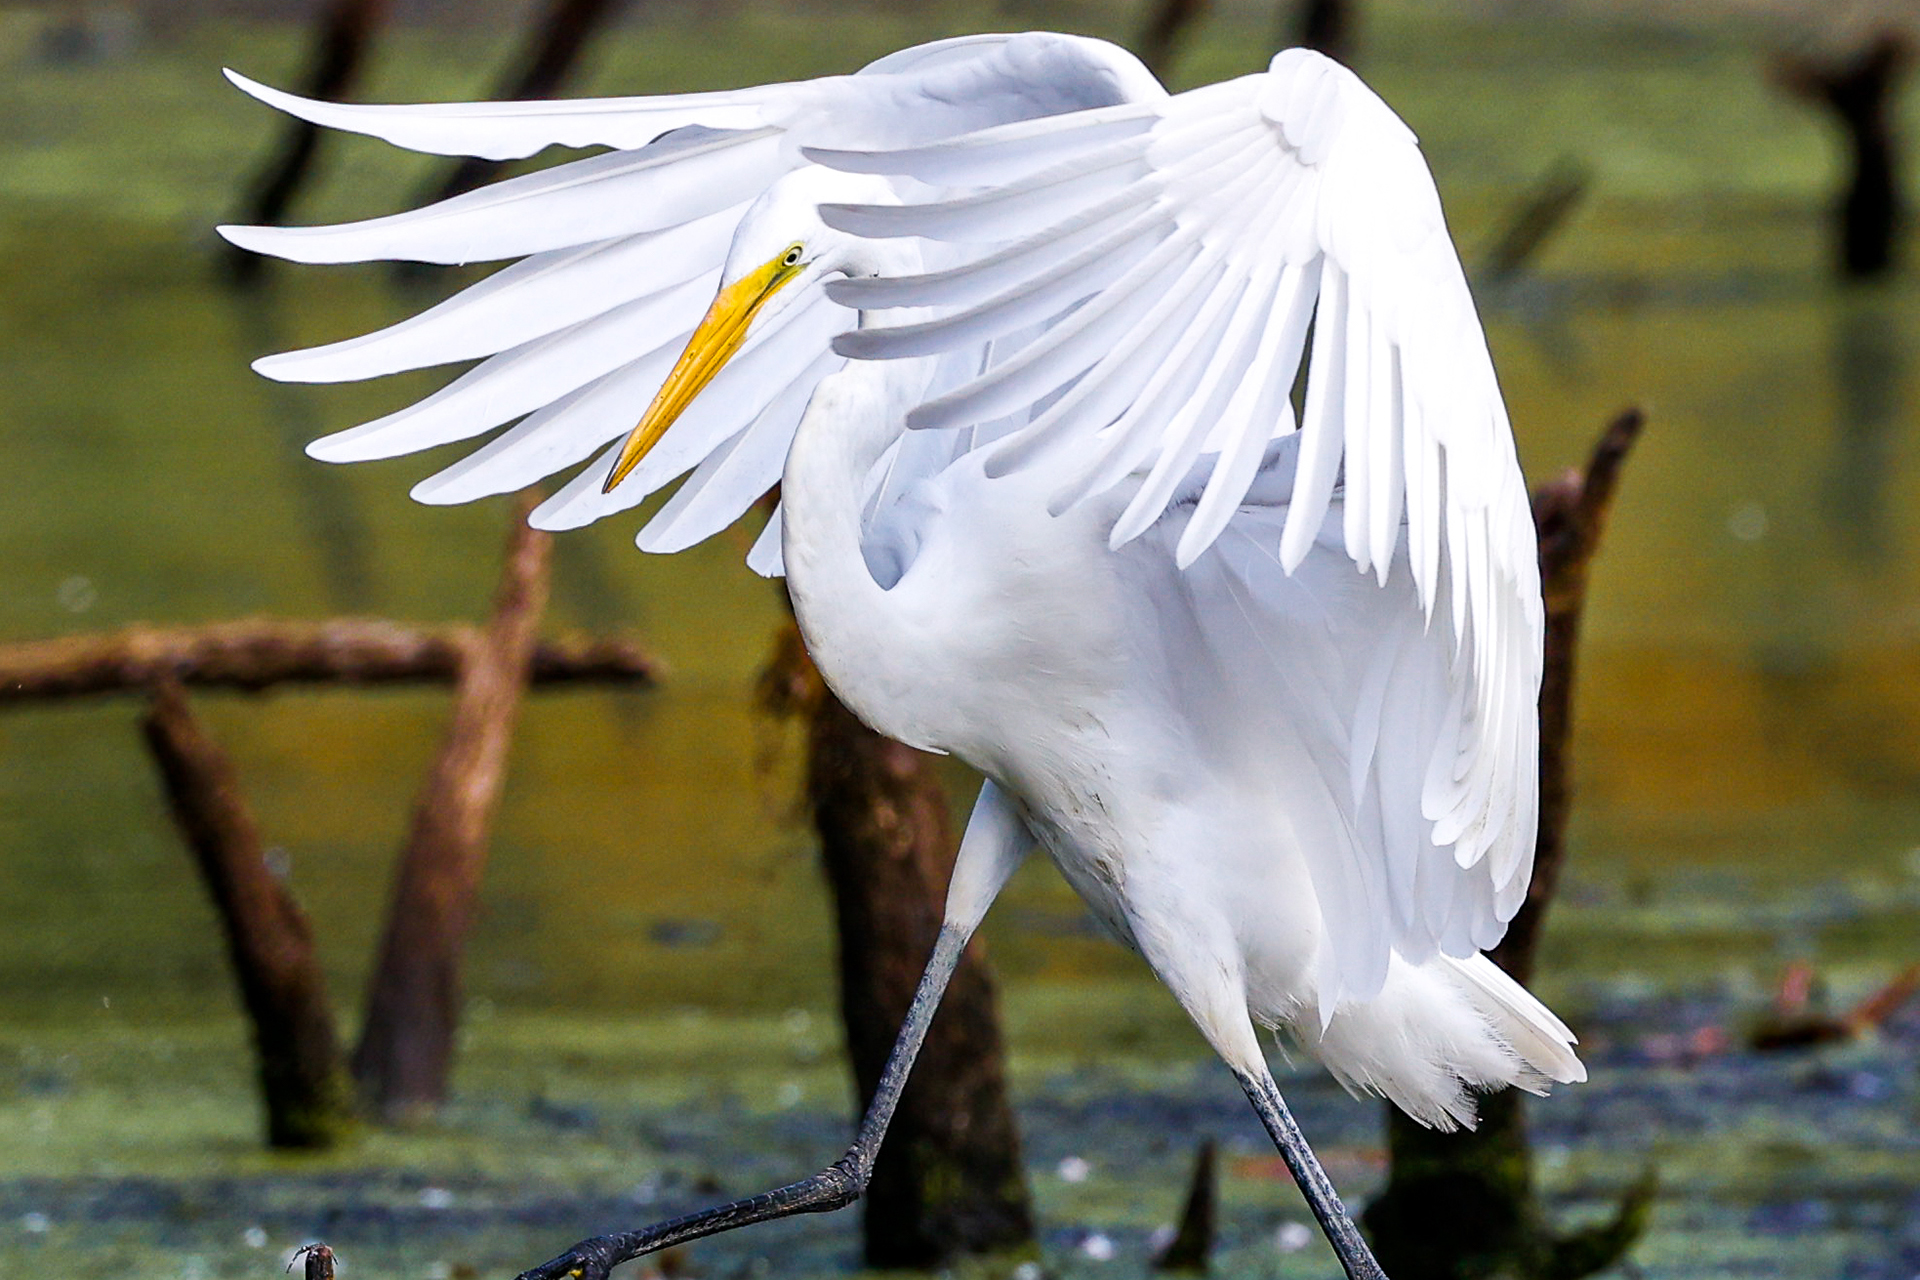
x: 781, y: 255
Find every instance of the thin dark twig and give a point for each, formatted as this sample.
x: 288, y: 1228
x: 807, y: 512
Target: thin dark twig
x: 338, y: 53
x: 1191, y: 1249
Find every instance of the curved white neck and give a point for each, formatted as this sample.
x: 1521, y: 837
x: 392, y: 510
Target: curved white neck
x: 864, y: 638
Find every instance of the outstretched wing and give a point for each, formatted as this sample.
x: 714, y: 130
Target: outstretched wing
x: 620, y: 255
x: 1188, y: 250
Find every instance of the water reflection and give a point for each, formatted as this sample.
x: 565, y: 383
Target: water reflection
x: 1868, y: 355
x: 1747, y: 699
x: 329, y: 515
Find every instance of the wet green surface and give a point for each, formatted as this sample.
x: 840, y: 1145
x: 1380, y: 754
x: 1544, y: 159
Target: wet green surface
x: 652, y: 1003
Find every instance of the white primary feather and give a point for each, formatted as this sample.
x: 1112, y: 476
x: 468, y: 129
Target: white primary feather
x: 624, y: 249
x: 534, y: 297
x: 1115, y: 293
x: 1402, y: 422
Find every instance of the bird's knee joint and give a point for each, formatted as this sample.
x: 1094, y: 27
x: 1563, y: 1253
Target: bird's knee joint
x: 850, y: 1181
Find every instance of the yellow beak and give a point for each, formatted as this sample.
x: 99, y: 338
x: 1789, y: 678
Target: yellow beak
x: 713, y: 343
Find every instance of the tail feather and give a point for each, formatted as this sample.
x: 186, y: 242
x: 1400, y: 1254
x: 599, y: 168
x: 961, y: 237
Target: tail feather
x: 1530, y: 1029
x: 1439, y: 1034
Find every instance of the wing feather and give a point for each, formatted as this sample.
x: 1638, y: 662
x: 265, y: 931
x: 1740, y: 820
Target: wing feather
x: 1260, y: 401
x: 1276, y: 206
x: 687, y: 174
x: 525, y: 378
x: 763, y: 368
x: 618, y: 247
x: 530, y: 299
x: 1065, y: 350
x: 515, y: 130
x: 736, y: 474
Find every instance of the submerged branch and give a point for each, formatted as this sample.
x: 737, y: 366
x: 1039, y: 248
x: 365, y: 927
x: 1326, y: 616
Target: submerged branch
x: 1570, y: 513
x: 413, y: 1001
x: 1463, y: 1206
x: 269, y: 942
x: 253, y: 654
x: 1191, y: 1249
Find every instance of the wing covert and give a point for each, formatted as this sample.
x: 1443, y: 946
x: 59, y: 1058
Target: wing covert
x: 619, y: 256
x: 1239, y: 230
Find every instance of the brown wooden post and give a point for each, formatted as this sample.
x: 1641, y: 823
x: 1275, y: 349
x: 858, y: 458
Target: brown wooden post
x: 413, y: 1004
x: 1462, y: 1206
x: 948, y: 1182
x: 1870, y: 211
x: 1167, y: 24
x: 303, y: 1081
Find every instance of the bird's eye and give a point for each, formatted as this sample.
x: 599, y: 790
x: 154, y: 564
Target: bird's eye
x: 792, y: 256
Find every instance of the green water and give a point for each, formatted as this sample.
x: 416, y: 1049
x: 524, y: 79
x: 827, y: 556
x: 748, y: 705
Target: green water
x: 655, y: 939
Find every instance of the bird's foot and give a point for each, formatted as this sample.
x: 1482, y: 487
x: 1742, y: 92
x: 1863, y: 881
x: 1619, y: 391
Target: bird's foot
x: 834, y: 1187
x: 589, y: 1260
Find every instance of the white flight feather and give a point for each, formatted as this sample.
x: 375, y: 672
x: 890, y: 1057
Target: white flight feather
x: 1401, y: 425
x: 1130, y: 289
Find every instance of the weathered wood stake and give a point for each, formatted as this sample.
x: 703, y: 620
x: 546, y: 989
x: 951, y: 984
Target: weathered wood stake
x: 1462, y: 1206
x: 948, y: 1182
x: 1870, y: 211
x: 303, y: 1083
x: 255, y: 654
x: 413, y: 1003
x: 1191, y: 1249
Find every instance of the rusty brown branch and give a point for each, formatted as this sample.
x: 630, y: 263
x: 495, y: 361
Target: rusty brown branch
x: 948, y: 1181
x: 406, y: 1044
x: 1794, y: 1025
x: 1571, y: 514
x: 269, y: 943
x: 260, y: 653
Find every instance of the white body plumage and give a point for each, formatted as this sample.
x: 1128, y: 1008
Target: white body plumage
x: 1106, y: 692
x: 1264, y: 693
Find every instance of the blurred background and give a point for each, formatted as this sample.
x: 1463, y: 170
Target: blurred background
x: 1644, y: 194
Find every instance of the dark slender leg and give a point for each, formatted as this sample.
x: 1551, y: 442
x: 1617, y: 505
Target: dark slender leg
x: 834, y: 1187
x: 1355, y: 1258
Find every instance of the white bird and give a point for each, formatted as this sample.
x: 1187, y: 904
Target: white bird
x: 1264, y: 693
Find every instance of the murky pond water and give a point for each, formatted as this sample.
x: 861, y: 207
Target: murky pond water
x: 651, y: 988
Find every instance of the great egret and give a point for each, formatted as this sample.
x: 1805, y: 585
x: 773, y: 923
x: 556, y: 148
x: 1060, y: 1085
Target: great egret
x: 1046, y: 507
